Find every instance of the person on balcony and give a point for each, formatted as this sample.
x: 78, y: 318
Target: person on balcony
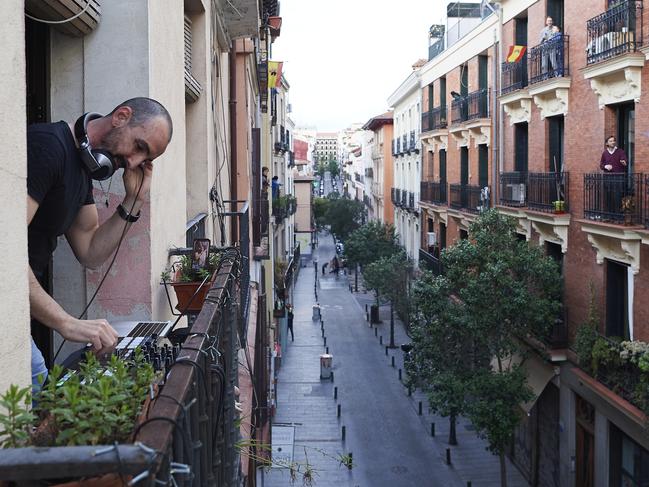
x: 546, y: 35
x: 62, y: 160
x: 275, y: 187
x: 614, y: 164
x: 555, y: 49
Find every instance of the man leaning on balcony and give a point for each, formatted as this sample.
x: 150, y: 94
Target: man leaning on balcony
x: 62, y: 160
x: 614, y: 165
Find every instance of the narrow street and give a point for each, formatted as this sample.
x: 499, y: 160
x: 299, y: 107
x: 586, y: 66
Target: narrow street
x: 390, y: 443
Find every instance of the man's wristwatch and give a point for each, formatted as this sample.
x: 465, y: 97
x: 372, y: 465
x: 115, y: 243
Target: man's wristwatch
x: 126, y: 216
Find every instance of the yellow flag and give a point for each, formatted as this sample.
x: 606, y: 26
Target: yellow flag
x: 274, y: 73
x: 515, y: 53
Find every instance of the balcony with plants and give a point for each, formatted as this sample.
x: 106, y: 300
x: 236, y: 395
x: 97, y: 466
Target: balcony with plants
x: 613, y: 59
x: 283, y: 207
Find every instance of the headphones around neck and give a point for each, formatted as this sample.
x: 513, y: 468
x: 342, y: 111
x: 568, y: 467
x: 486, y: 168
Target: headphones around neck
x: 98, y: 162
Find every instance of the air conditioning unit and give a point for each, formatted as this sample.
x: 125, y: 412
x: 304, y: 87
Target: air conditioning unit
x: 516, y: 192
x: 432, y: 239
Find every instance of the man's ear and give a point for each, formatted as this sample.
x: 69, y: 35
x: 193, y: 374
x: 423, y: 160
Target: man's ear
x: 122, y: 116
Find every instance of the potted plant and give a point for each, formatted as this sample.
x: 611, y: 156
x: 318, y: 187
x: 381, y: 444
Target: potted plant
x: 559, y: 206
x: 628, y: 209
x: 191, y: 282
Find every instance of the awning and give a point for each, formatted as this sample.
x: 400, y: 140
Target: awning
x: 537, y: 372
x: 83, y: 14
x: 242, y: 18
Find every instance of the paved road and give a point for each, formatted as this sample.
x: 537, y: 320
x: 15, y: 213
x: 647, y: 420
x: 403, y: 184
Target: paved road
x: 390, y: 442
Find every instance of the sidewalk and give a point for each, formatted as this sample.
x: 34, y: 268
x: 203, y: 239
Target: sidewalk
x: 391, y: 444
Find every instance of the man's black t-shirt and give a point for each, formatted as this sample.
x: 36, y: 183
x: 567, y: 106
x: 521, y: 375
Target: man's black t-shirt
x: 57, y: 180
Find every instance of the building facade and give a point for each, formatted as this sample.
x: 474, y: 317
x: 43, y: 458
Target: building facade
x: 382, y: 167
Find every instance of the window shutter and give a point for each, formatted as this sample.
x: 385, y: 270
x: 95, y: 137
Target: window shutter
x: 192, y: 87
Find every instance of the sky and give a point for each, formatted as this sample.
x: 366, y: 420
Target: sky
x: 344, y: 58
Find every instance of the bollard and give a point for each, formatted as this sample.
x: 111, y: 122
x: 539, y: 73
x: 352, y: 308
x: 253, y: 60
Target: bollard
x: 399, y: 375
x: 420, y: 408
x: 344, y: 432
x: 367, y: 316
x: 335, y: 392
x: 332, y: 376
x: 349, y: 466
x: 381, y: 340
x: 327, y: 350
x: 393, y: 361
x: 409, y: 391
x: 386, y: 351
x: 432, y: 429
x: 376, y: 332
x: 338, y: 413
x: 448, y: 456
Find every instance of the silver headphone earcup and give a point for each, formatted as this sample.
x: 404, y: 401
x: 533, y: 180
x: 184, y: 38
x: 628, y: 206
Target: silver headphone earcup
x: 105, y: 165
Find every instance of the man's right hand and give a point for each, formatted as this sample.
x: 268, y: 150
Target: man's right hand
x: 98, y: 333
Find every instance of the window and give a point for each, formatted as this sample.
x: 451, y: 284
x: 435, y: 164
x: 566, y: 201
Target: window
x: 555, y: 10
x: 520, y: 149
x: 629, y: 462
x: 464, y: 235
x: 617, y: 312
x: 555, y: 143
x: 483, y: 165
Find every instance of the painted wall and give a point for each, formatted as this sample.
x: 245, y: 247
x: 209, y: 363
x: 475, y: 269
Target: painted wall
x: 15, y: 350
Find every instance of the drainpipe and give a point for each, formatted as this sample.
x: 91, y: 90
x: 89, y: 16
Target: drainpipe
x: 232, y: 105
x: 499, y: 146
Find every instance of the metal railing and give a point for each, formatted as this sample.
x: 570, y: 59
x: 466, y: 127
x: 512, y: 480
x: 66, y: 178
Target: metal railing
x: 478, y: 104
x: 404, y: 199
x: 427, y: 121
x: 413, y: 142
x: 191, y: 423
x: 459, y: 111
x: 548, y: 192
x: 615, y: 198
x: 550, y: 59
x: 404, y: 143
x: 514, y: 75
x: 430, y: 262
x: 466, y: 197
x: 439, y: 118
x: 433, y: 192
x: 614, y: 32
x: 513, y: 189
x: 411, y: 200
x: 398, y: 152
x: 369, y: 172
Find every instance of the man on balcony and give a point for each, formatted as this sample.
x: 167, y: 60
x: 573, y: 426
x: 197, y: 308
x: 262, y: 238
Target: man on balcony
x: 62, y: 160
x: 546, y: 35
x: 614, y: 164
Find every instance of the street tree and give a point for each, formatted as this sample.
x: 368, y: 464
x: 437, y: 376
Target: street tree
x: 389, y: 277
x: 370, y: 242
x: 320, y: 208
x: 333, y: 168
x: 442, y: 358
x: 344, y: 215
x: 510, y: 291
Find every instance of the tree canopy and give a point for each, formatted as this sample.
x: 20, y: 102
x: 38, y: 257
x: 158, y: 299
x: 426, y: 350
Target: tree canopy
x: 344, y: 216
x: 371, y: 242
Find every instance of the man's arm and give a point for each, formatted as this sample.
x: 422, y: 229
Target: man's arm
x: 44, y: 309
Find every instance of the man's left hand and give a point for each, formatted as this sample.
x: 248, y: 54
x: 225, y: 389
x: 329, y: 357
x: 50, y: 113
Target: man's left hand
x: 623, y: 163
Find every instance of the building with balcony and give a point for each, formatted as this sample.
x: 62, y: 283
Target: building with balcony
x: 406, y: 102
x: 207, y: 64
x: 382, y: 166
x: 457, y: 136
x: 561, y: 101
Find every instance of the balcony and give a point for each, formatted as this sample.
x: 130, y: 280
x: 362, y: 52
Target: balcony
x: 469, y: 118
x: 513, y: 189
x: 459, y: 110
x: 404, y: 199
x: 614, y: 32
x: 550, y: 59
x: 615, y: 198
x: 545, y: 190
x: 465, y: 197
x: 411, y: 201
x: 433, y: 192
x: 413, y: 143
x: 478, y: 104
x: 398, y: 151
x: 369, y: 172
x: 429, y: 262
x: 404, y: 144
x: 514, y: 75
x: 614, y: 65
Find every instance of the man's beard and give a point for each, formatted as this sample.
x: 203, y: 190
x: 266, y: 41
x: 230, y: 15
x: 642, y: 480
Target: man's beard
x: 110, y: 143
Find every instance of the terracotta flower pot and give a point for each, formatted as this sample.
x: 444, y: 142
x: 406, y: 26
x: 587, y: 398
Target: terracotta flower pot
x: 185, y: 291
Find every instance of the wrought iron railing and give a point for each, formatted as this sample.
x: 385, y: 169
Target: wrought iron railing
x: 548, y: 192
x: 404, y: 199
x: 466, y: 197
x: 614, y: 32
x: 433, y: 192
x: 427, y: 121
x: 413, y: 142
x: 190, y: 432
x: 550, y: 59
x: 411, y: 200
x: 404, y: 143
x: 439, y: 117
x: 369, y: 172
x: 459, y: 111
x: 615, y: 198
x: 398, y: 146
x: 430, y: 262
x: 513, y: 189
x: 478, y: 104
x: 514, y: 75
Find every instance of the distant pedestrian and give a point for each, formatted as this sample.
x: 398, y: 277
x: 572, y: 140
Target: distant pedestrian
x: 289, y: 315
x: 324, y: 267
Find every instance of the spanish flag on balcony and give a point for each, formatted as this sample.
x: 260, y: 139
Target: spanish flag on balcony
x: 274, y: 73
x: 515, y: 53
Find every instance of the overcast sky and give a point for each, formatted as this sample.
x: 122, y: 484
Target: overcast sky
x: 343, y: 58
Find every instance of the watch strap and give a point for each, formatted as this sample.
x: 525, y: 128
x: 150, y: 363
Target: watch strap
x: 126, y: 216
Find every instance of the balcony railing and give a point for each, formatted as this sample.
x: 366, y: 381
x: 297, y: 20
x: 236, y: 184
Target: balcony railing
x: 369, y: 172
x: 398, y: 152
x: 615, y: 198
x: 404, y: 143
x: 544, y: 189
x: 427, y: 121
x: 393, y: 148
x: 614, y: 32
x: 430, y: 262
x: 404, y: 199
x: 513, y: 188
x: 478, y: 102
x: 433, y: 192
x: 413, y: 142
x: 439, y: 118
x: 466, y: 197
x: 411, y: 201
x: 514, y: 75
x: 459, y: 109
x: 550, y: 59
